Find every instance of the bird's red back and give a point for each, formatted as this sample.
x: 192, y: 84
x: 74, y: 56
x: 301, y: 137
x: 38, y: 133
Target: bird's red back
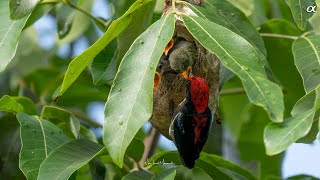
x: 199, y: 92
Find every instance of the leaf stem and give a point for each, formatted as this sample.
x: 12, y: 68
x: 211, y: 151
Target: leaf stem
x: 86, y: 13
x: 232, y: 91
x: 279, y: 36
x: 173, y: 2
x: 239, y: 90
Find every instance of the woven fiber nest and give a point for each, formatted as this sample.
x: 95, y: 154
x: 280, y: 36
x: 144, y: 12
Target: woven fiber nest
x: 172, y: 88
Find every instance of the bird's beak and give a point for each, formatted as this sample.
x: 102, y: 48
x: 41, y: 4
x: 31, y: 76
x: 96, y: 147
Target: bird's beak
x: 185, y: 73
x: 168, y: 47
x: 157, y: 79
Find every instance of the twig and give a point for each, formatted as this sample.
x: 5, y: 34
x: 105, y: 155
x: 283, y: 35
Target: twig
x: 150, y: 144
x: 85, y: 118
x: 279, y: 36
x: 85, y: 12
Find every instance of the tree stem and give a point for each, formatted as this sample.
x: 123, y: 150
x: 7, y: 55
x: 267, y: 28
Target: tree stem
x: 279, y: 36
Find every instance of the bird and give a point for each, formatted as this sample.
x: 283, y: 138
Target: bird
x: 192, y: 119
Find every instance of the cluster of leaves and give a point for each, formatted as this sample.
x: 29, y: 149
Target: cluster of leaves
x: 56, y: 142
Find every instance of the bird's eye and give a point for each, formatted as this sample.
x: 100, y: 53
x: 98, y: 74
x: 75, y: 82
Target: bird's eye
x: 160, y: 66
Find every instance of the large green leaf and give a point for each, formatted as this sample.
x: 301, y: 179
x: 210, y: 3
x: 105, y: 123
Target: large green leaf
x: 21, y: 8
x: 62, y: 115
x: 9, y: 34
x: 299, y: 13
x: 17, y: 104
x: 243, y: 61
x: 277, y: 137
x: 226, y: 15
x: 78, y: 64
x: 38, y: 138
x: 280, y: 48
x: 129, y: 103
x: 69, y: 157
x: 306, y: 51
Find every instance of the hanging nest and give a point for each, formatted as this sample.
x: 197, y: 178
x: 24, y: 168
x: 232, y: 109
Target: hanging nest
x: 172, y: 88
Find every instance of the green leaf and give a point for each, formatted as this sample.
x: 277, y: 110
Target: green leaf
x: 302, y: 177
x: 314, y: 20
x: 64, y: 15
x: 137, y: 175
x: 299, y: 13
x: 10, y: 146
x: 38, y: 138
x: 78, y: 64
x: 130, y: 100
x: 306, y: 51
x: 184, y: 173
x: 104, y: 65
x: 277, y: 137
x: 246, y: 6
x: 69, y: 157
x: 39, y: 11
x: 225, y: 166
x: 166, y: 156
x: 243, y: 61
x: 280, y: 48
x: 135, y: 149
x: 17, y: 104
x: 80, y: 23
x: 9, y: 34
x: 309, y: 101
x: 226, y: 15
x: 62, y: 115
x: 250, y: 138
x: 7, y: 103
x: 236, y: 102
x: 21, y: 8
x: 215, y: 166
x: 141, y: 20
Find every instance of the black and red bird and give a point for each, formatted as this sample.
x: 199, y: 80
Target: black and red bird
x: 192, y: 121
